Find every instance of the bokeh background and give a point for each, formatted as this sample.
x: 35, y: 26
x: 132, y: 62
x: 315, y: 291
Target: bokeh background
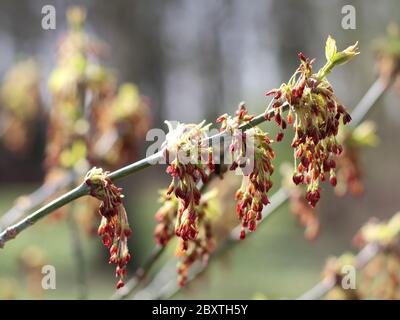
x: 196, y: 60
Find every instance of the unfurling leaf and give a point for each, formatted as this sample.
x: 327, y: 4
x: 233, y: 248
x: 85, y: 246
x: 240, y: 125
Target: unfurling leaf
x: 330, y: 48
x: 345, y: 55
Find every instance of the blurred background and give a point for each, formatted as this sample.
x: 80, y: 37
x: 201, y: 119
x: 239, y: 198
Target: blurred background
x: 195, y: 60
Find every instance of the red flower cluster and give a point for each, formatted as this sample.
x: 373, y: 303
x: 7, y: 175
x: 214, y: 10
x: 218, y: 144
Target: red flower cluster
x: 231, y: 126
x: 197, y: 249
x: 192, y: 249
x: 114, y: 227
x: 251, y: 151
x: 166, y: 219
x: 317, y: 112
x: 185, y: 149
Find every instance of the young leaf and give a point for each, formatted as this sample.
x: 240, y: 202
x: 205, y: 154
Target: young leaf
x: 330, y: 48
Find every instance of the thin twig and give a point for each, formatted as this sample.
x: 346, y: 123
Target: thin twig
x: 12, y: 231
x: 82, y: 190
x: 328, y: 283
x: 376, y: 90
x: 157, y: 157
x: 29, y: 202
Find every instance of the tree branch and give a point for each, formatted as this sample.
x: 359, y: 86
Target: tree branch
x: 12, y: 231
x: 328, y: 283
x: 375, y: 91
x: 29, y: 202
x: 359, y: 113
x: 82, y: 190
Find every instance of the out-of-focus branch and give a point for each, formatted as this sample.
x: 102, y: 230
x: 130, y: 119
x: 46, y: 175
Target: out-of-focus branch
x: 328, y: 283
x: 12, y: 231
x: 29, y: 202
x: 376, y: 90
x: 139, y: 275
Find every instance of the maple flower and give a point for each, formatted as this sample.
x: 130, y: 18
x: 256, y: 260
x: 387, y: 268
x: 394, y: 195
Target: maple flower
x: 114, y: 227
x: 199, y: 248
x: 166, y: 218
x: 252, y: 153
x: 314, y: 113
x: 189, y: 162
x: 189, y: 250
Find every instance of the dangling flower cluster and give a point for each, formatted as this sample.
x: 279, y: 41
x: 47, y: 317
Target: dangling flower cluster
x: 166, y: 218
x: 231, y: 126
x: 114, y: 227
x: 189, y: 161
x: 252, y: 153
x: 188, y: 250
x: 317, y: 112
x: 199, y: 248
